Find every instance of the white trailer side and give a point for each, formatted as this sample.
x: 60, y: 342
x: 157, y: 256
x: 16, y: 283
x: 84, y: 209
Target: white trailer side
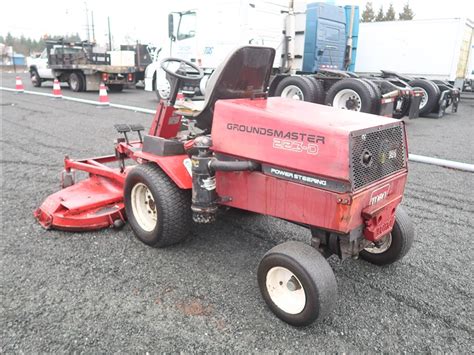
x: 434, y: 49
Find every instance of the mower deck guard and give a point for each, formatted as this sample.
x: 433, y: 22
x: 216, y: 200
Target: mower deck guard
x: 93, y: 203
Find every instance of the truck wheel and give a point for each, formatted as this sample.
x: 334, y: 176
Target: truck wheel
x: 297, y: 283
x: 394, y: 245
x: 297, y: 88
x: 318, y: 89
x: 351, y: 94
x: 158, y: 211
x: 76, y: 82
x: 430, y: 97
x: 35, y: 78
x: 115, y: 87
x: 375, y: 93
x: 162, y: 87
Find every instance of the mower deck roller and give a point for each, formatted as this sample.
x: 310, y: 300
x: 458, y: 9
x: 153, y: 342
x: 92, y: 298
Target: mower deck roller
x: 339, y: 173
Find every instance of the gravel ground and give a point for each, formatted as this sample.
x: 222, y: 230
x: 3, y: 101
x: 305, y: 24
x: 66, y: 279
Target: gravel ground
x: 107, y: 292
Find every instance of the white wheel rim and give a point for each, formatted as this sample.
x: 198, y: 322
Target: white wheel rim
x: 144, y: 207
x: 347, y: 99
x: 424, y: 97
x: 383, y: 245
x: 164, y: 89
x: 74, y: 83
x: 292, y: 92
x: 285, y: 290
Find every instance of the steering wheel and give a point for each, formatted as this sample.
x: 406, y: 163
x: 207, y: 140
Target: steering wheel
x: 183, y: 64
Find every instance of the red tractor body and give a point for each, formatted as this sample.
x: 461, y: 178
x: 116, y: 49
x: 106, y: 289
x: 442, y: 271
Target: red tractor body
x: 312, y: 157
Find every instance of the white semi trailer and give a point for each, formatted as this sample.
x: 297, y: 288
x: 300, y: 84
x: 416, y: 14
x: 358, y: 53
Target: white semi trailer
x: 433, y: 49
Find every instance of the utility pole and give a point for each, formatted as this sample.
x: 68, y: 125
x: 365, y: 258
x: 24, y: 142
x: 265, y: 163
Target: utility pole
x: 93, y: 27
x: 87, y: 23
x: 110, y: 35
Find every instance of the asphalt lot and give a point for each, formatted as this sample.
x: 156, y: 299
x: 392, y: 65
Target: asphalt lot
x: 106, y: 292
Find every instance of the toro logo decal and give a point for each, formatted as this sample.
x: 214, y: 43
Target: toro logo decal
x: 379, y: 194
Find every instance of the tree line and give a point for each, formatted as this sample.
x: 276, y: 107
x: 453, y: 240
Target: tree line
x: 28, y: 46
x: 368, y: 15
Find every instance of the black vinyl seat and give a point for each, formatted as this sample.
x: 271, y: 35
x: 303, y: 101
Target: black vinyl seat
x: 245, y: 73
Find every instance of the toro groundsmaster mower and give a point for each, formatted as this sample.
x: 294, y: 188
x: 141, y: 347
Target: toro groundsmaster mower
x: 339, y: 173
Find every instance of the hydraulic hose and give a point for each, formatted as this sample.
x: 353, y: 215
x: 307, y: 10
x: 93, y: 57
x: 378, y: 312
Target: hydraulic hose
x: 219, y: 165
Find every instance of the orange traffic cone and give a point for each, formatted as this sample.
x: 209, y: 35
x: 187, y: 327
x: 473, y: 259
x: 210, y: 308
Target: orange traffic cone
x: 103, y: 98
x: 57, y: 89
x: 19, y: 85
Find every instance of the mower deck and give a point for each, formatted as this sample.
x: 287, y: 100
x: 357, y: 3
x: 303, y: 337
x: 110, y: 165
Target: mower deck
x: 93, y: 203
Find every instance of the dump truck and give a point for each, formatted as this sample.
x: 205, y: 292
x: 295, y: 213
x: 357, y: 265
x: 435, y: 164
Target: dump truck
x: 83, y: 67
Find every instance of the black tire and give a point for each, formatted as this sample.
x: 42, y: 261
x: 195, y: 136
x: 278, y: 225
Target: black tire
x: 76, y: 82
x: 84, y: 81
x: 376, y: 94
x: 172, y: 206
x: 402, y: 237
x: 362, y: 89
x: 35, y: 78
x: 307, y: 91
x: 318, y: 89
x: 433, y: 94
x: 313, y: 274
x: 115, y: 87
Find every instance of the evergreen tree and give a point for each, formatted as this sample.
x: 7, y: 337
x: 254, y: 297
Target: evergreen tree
x: 380, y: 16
x: 406, y: 14
x: 368, y: 15
x: 390, y: 15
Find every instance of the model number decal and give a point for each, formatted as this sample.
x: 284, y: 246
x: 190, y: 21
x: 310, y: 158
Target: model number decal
x: 295, y: 146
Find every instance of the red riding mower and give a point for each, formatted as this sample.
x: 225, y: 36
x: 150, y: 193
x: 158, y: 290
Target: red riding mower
x: 339, y: 173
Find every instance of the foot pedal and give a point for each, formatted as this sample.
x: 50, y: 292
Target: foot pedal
x: 123, y: 128
x: 138, y: 128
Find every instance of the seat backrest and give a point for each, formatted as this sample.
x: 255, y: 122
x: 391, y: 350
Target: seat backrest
x: 244, y: 73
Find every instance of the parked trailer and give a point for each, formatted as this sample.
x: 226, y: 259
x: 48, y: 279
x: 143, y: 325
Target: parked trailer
x: 83, y: 68
x: 309, y: 40
x: 441, y: 68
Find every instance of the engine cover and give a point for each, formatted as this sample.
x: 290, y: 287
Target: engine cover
x: 310, y: 144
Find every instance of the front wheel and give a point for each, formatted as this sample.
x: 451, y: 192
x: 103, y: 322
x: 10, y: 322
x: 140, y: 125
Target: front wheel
x: 158, y: 211
x: 393, y: 246
x: 297, y: 283
x: 35, y: 78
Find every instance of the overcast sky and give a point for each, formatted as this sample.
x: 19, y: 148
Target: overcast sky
x: 146, y: 20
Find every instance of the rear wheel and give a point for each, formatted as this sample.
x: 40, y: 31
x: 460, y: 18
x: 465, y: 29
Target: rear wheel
x: 158, y: 211
x: 35, y: 78
x: 376, y: 95
x: 431, y: 94
x: 297, y: 283
x: 318, y: 89
x: 351, y: 94
x: 76, y: 82
x: 393, y: 246
x: 297, y: 88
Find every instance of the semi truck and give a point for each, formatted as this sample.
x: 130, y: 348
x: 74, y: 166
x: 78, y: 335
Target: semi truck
x: 82, y: 67
x: 316, y: 47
